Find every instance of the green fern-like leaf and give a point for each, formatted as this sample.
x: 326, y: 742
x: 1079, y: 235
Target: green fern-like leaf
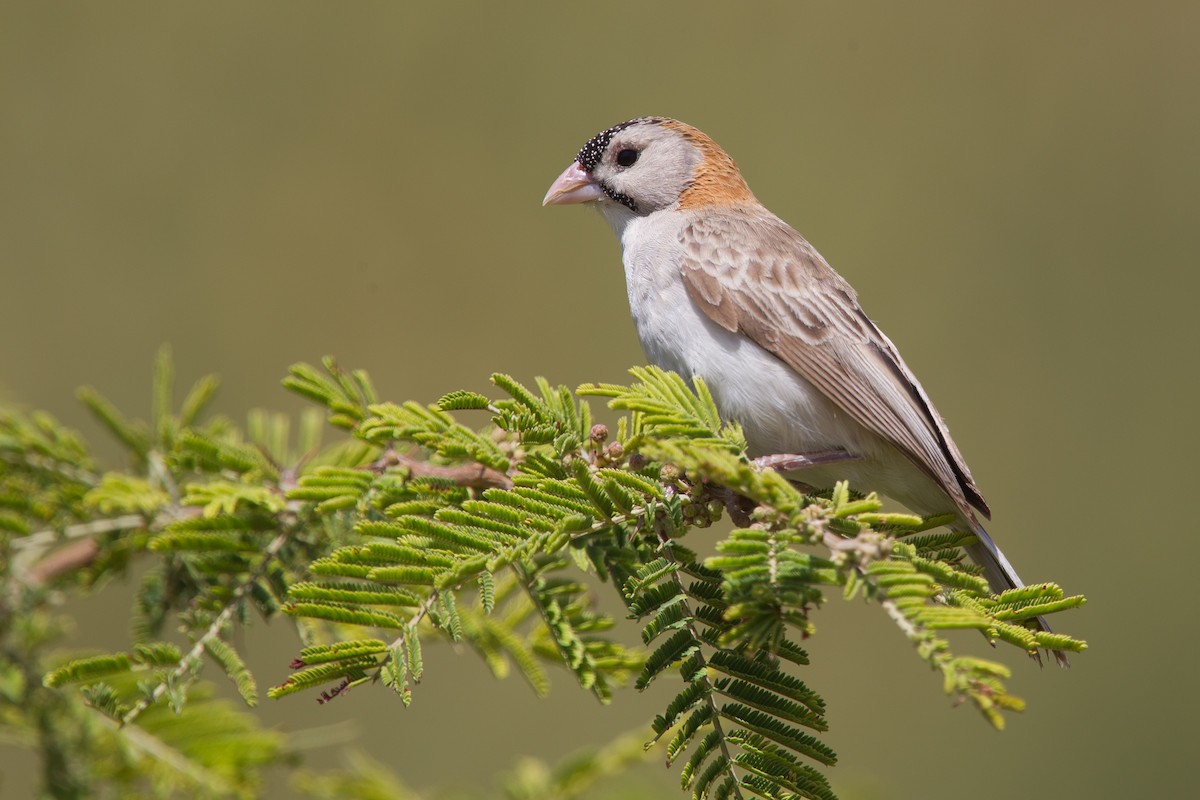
x: 379, y: 534
x: 463, y: 401
x: 233, y: 666
x: 89, y: 669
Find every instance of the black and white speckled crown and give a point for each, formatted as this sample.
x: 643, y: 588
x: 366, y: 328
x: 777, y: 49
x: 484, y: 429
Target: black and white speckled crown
x: 590, y: 154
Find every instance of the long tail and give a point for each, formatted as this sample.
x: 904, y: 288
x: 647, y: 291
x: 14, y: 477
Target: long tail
x: 1001, y: 576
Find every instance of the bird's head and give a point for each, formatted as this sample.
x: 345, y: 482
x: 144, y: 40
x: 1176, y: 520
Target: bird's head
x: 650, y: 164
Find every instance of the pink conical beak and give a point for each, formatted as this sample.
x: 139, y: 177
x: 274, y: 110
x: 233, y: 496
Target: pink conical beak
x: 573, y: 186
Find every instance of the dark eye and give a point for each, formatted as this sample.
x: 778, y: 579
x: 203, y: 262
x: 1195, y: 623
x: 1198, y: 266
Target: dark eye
x: 626, y: 158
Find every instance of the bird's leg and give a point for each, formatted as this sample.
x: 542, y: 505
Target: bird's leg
x: 789, y: 462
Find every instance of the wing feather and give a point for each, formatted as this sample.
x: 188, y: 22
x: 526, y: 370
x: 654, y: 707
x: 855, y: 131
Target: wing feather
x: 782, y: 294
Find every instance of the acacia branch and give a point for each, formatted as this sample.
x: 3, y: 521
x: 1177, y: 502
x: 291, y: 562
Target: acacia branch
x: 188, y: 663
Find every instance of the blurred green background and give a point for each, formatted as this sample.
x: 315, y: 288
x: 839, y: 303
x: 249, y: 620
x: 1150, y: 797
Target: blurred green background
x: 1012, y: 187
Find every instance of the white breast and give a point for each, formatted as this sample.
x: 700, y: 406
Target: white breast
x: 781, y: 411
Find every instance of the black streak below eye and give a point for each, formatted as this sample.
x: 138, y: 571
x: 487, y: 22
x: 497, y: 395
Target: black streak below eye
x: 627, y: 158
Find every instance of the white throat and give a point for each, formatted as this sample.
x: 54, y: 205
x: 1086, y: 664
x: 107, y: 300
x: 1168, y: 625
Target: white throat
x: 616, y: 215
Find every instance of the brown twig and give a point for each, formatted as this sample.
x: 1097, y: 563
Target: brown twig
x: 74, y: 556
x: 474, y: 476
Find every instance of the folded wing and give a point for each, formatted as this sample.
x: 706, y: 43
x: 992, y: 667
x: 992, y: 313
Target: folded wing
x: 782, y: 294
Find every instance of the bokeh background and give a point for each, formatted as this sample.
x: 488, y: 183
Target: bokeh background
x: 1012, y: 187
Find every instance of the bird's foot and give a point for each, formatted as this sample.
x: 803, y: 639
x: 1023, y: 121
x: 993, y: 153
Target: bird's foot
x: 790, y: 462
x: 739, y: 507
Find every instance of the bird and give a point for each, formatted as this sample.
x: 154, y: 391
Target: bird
x: 720, y: 288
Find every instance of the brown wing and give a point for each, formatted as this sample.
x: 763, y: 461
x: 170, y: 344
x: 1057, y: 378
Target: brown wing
x: 751, y: 272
